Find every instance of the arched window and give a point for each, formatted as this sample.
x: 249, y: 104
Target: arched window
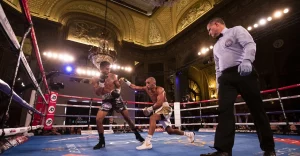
x: 194, y: 90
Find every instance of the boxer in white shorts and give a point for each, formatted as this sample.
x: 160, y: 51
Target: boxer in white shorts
x: 159, y: 111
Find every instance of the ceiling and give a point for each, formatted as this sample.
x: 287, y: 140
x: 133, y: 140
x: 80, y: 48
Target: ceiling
x: 136, y: 21
x: 139, y: 6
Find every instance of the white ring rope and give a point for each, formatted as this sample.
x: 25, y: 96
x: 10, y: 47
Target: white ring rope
x: 242, y: 103
x: 14, y: 131
x: 211, y: 124
x: 120, y: 125
x: 87, y: 106
x: 10, y: 33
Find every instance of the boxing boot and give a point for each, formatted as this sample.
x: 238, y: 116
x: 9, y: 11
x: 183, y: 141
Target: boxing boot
x: 101, y: 144
x: 139, y: 137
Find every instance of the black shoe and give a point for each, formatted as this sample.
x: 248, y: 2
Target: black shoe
x: 101, y: 144
x: 270, y: 153
x: 139, y: 137
x: 218, y: 153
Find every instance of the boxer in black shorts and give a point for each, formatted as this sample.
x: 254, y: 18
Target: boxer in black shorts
x: 108, y: 87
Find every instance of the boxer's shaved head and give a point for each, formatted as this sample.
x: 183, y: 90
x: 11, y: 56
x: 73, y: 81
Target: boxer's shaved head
x: 150, y: 83
x: 152, y: 79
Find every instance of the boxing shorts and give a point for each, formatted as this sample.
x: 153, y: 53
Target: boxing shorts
x: 165, y: 112
x: 109, y: 103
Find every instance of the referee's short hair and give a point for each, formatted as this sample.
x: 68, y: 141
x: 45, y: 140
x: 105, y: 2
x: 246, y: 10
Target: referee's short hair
x: 218, y: 20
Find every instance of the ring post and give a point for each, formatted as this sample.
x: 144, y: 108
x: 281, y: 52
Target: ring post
x: 287, y: 128
x: 90, y: 110
x: 200, y: 115
x: 177, y: 117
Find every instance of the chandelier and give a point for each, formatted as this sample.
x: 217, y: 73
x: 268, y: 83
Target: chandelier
x: 159, y: 3
x: 102, y: 52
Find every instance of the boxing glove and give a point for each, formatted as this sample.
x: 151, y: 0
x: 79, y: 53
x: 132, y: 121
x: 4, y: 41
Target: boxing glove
x: 126, y: 81
x: 115, y: 93
x: 147, y: 111
x: 102, y: 80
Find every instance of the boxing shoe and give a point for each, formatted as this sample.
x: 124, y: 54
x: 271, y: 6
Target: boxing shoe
x: 101, y: 144
x: 191, y: 137
x: 146, y: 145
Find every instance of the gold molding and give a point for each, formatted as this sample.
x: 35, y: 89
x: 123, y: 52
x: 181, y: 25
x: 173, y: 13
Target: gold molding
x: 142, y: 30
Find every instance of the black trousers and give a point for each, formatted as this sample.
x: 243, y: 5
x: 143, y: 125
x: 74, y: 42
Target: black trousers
x: 230, y: 85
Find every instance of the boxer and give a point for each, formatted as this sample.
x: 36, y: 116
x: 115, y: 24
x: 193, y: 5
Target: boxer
x: 159, y: 111
x: 108, y: 87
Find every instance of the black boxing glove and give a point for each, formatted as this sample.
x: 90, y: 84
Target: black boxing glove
x: 102, y: 80
x: 115, y: 93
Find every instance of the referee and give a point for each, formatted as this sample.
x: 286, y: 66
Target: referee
x: 234, y: 53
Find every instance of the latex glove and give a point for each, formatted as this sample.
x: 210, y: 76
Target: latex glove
x: 245, y: 68
x: 147, y: 111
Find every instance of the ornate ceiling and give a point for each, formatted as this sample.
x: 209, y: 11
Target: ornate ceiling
x: 128, y: 20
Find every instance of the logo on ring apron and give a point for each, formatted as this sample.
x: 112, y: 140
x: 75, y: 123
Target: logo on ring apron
x: 51, y: 109
x: 53, y: 97
x: 49, y: 122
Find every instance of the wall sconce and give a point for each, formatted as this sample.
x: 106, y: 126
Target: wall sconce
x: 213, y: 91
x: 213, y: 94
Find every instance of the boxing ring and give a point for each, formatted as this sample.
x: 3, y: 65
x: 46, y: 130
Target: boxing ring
x: 42, y: 107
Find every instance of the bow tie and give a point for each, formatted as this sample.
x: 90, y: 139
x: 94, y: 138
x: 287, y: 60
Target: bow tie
x: 221, y: 35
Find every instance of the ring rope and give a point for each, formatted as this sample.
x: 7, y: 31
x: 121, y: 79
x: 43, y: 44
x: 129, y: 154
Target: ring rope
x: 4, y: 87
x: 26, y: 11
x: 262, y: 92
x: 14, y: 41
x: 242, y: 103
x: 14, y: 131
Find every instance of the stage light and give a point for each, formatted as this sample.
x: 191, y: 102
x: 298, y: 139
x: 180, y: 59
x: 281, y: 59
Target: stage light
x: 69, y: 69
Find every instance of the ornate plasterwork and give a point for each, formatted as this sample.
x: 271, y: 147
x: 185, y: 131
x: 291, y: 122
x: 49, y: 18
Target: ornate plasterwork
x: 94, y: 10
x: 195, y: 12
x: 86, y: 33
x: 50, y: 5
x: 35, y: 5
x: 165, y: 19
x: 180, y: 6
x: 154, y: 34
x: 134, y: 27
x: 139, y: 24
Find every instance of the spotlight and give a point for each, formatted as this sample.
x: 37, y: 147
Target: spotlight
x: 78, y: 70
x: 69, y: 69
x: 269, y: 18
x: 277, y: 14
x: 262, y: 22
